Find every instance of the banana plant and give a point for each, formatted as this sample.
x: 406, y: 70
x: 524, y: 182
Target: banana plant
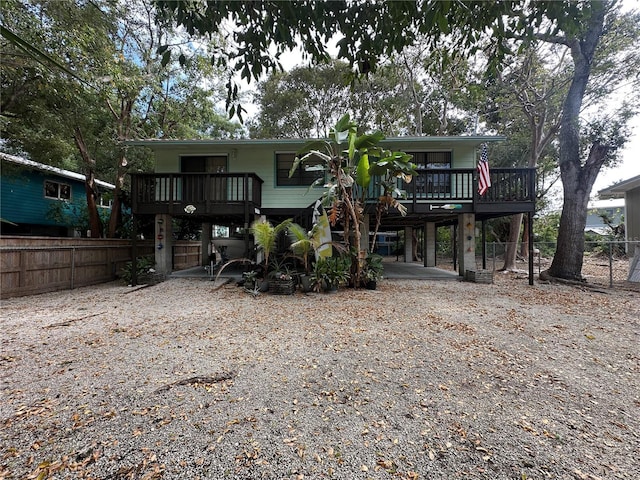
x: 351, y: 162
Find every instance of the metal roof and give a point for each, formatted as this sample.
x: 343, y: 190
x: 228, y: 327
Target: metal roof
x: 48, y: 168
x: 619, y: 189
x: 472, y: 139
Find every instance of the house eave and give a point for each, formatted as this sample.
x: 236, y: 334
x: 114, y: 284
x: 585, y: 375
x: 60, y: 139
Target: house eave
x: 406, y: 142
x: 619, y: 189
x: 54, y: 170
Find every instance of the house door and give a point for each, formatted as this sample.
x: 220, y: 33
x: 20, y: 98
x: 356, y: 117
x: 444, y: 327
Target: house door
x: 196, y: 183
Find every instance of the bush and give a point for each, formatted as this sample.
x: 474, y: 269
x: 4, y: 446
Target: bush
x: 144, y: 269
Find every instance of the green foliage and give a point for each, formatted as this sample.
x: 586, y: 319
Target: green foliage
x: 373, y: 268
x: 444, y: 241
x: 265, y: 235
x: 545, y: 232
x: 186, y: 229
x: 307, y: 101
x: 125, y: 91
x: 303, y: 243
x: 367, y: 30
x: 144, y: 266
x: 74, y: 215
x: 351, y: 161
x: 330, y: 272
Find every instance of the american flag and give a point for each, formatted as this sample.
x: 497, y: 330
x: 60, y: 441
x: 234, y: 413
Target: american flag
x: 484, y: 180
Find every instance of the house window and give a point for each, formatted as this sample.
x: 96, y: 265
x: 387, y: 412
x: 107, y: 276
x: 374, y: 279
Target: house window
x: 104, y: 200
x: 432, y: 184
x: 304, y: 175
x: 58, y: 191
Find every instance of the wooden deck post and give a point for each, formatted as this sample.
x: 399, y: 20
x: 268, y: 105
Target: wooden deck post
x: 466, y: 242
x: 163, y: 244
x: 429, y: 251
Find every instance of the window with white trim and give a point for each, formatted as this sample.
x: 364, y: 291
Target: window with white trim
x: 56, y: 190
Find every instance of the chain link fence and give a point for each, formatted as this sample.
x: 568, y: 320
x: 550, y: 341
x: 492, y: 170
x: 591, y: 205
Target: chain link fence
x: 606, y: 263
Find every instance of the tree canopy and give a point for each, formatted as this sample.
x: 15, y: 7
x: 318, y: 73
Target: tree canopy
x: 363, y: 32
x: 79, y: 77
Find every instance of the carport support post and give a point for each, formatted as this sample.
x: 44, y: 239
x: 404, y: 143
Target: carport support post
x: 466, y: 242
x: 408, y: 244
x: 163, y: 244
x: 205, y: 240
x: 429, y: 244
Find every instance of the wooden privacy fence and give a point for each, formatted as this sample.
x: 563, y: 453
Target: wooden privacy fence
x: 186, y: 254
x: 32, y: 265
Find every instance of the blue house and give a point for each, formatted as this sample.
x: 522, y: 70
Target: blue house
x: 38, y: 199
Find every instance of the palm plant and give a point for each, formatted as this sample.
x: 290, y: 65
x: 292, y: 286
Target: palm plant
x: 265, y: 235
x: 304, y: 243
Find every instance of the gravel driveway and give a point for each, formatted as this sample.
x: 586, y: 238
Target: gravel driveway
x: 417, y: 380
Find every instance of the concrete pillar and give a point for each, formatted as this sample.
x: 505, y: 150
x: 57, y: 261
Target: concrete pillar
x: 364, y: 234
x: 205, y: 239
x: 466, y: 242
x: 408, y: 244
x: 429, y: 244
x: 164, y: 244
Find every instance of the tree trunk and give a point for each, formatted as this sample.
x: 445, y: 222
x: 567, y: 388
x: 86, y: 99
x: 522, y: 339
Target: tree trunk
x: 414, y: 245
x: 577, y: 180
x: 577, y: 183
x: 95, y: 224
x: 116, y: 206
x: 123, y: 121
x: 524, y: 244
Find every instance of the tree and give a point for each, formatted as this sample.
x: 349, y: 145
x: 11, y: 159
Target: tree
x: 41, y: 97
x: 525, y: 100
x: 585, y: 149
x: 307, y: 101
x: 124, y: 90
x: 303, y: 103
x: 538, y: 87
x: 263, y: 30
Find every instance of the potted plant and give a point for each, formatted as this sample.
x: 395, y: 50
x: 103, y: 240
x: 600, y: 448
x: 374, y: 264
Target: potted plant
x: 303, y: 245
x: 281, y: 281
x: 329, y: 273
x: 372, y: 270
x: 264, y: 236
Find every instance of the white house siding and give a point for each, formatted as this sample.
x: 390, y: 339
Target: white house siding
x: 260, y: 158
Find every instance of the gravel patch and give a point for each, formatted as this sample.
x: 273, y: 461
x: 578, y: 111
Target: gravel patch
x: 416, y: 380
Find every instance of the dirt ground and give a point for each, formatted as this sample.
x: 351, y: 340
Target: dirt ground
x: 416, y: 380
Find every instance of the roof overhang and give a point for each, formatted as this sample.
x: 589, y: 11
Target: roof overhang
x: 619, y: 189
x: 405, y: 142
x: 54, y: 170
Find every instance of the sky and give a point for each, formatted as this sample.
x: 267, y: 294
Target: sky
x: 628, y: 167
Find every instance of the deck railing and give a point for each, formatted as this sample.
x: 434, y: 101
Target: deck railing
x: 171, y: 192
x: 201, y: 190
x: 461, y: 185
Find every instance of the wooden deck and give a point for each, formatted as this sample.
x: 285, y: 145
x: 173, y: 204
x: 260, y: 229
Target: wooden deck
x: 430, y: 195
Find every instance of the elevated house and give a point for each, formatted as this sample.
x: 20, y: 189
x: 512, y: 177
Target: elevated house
x: 30, y: 192
x: 234, y: 182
